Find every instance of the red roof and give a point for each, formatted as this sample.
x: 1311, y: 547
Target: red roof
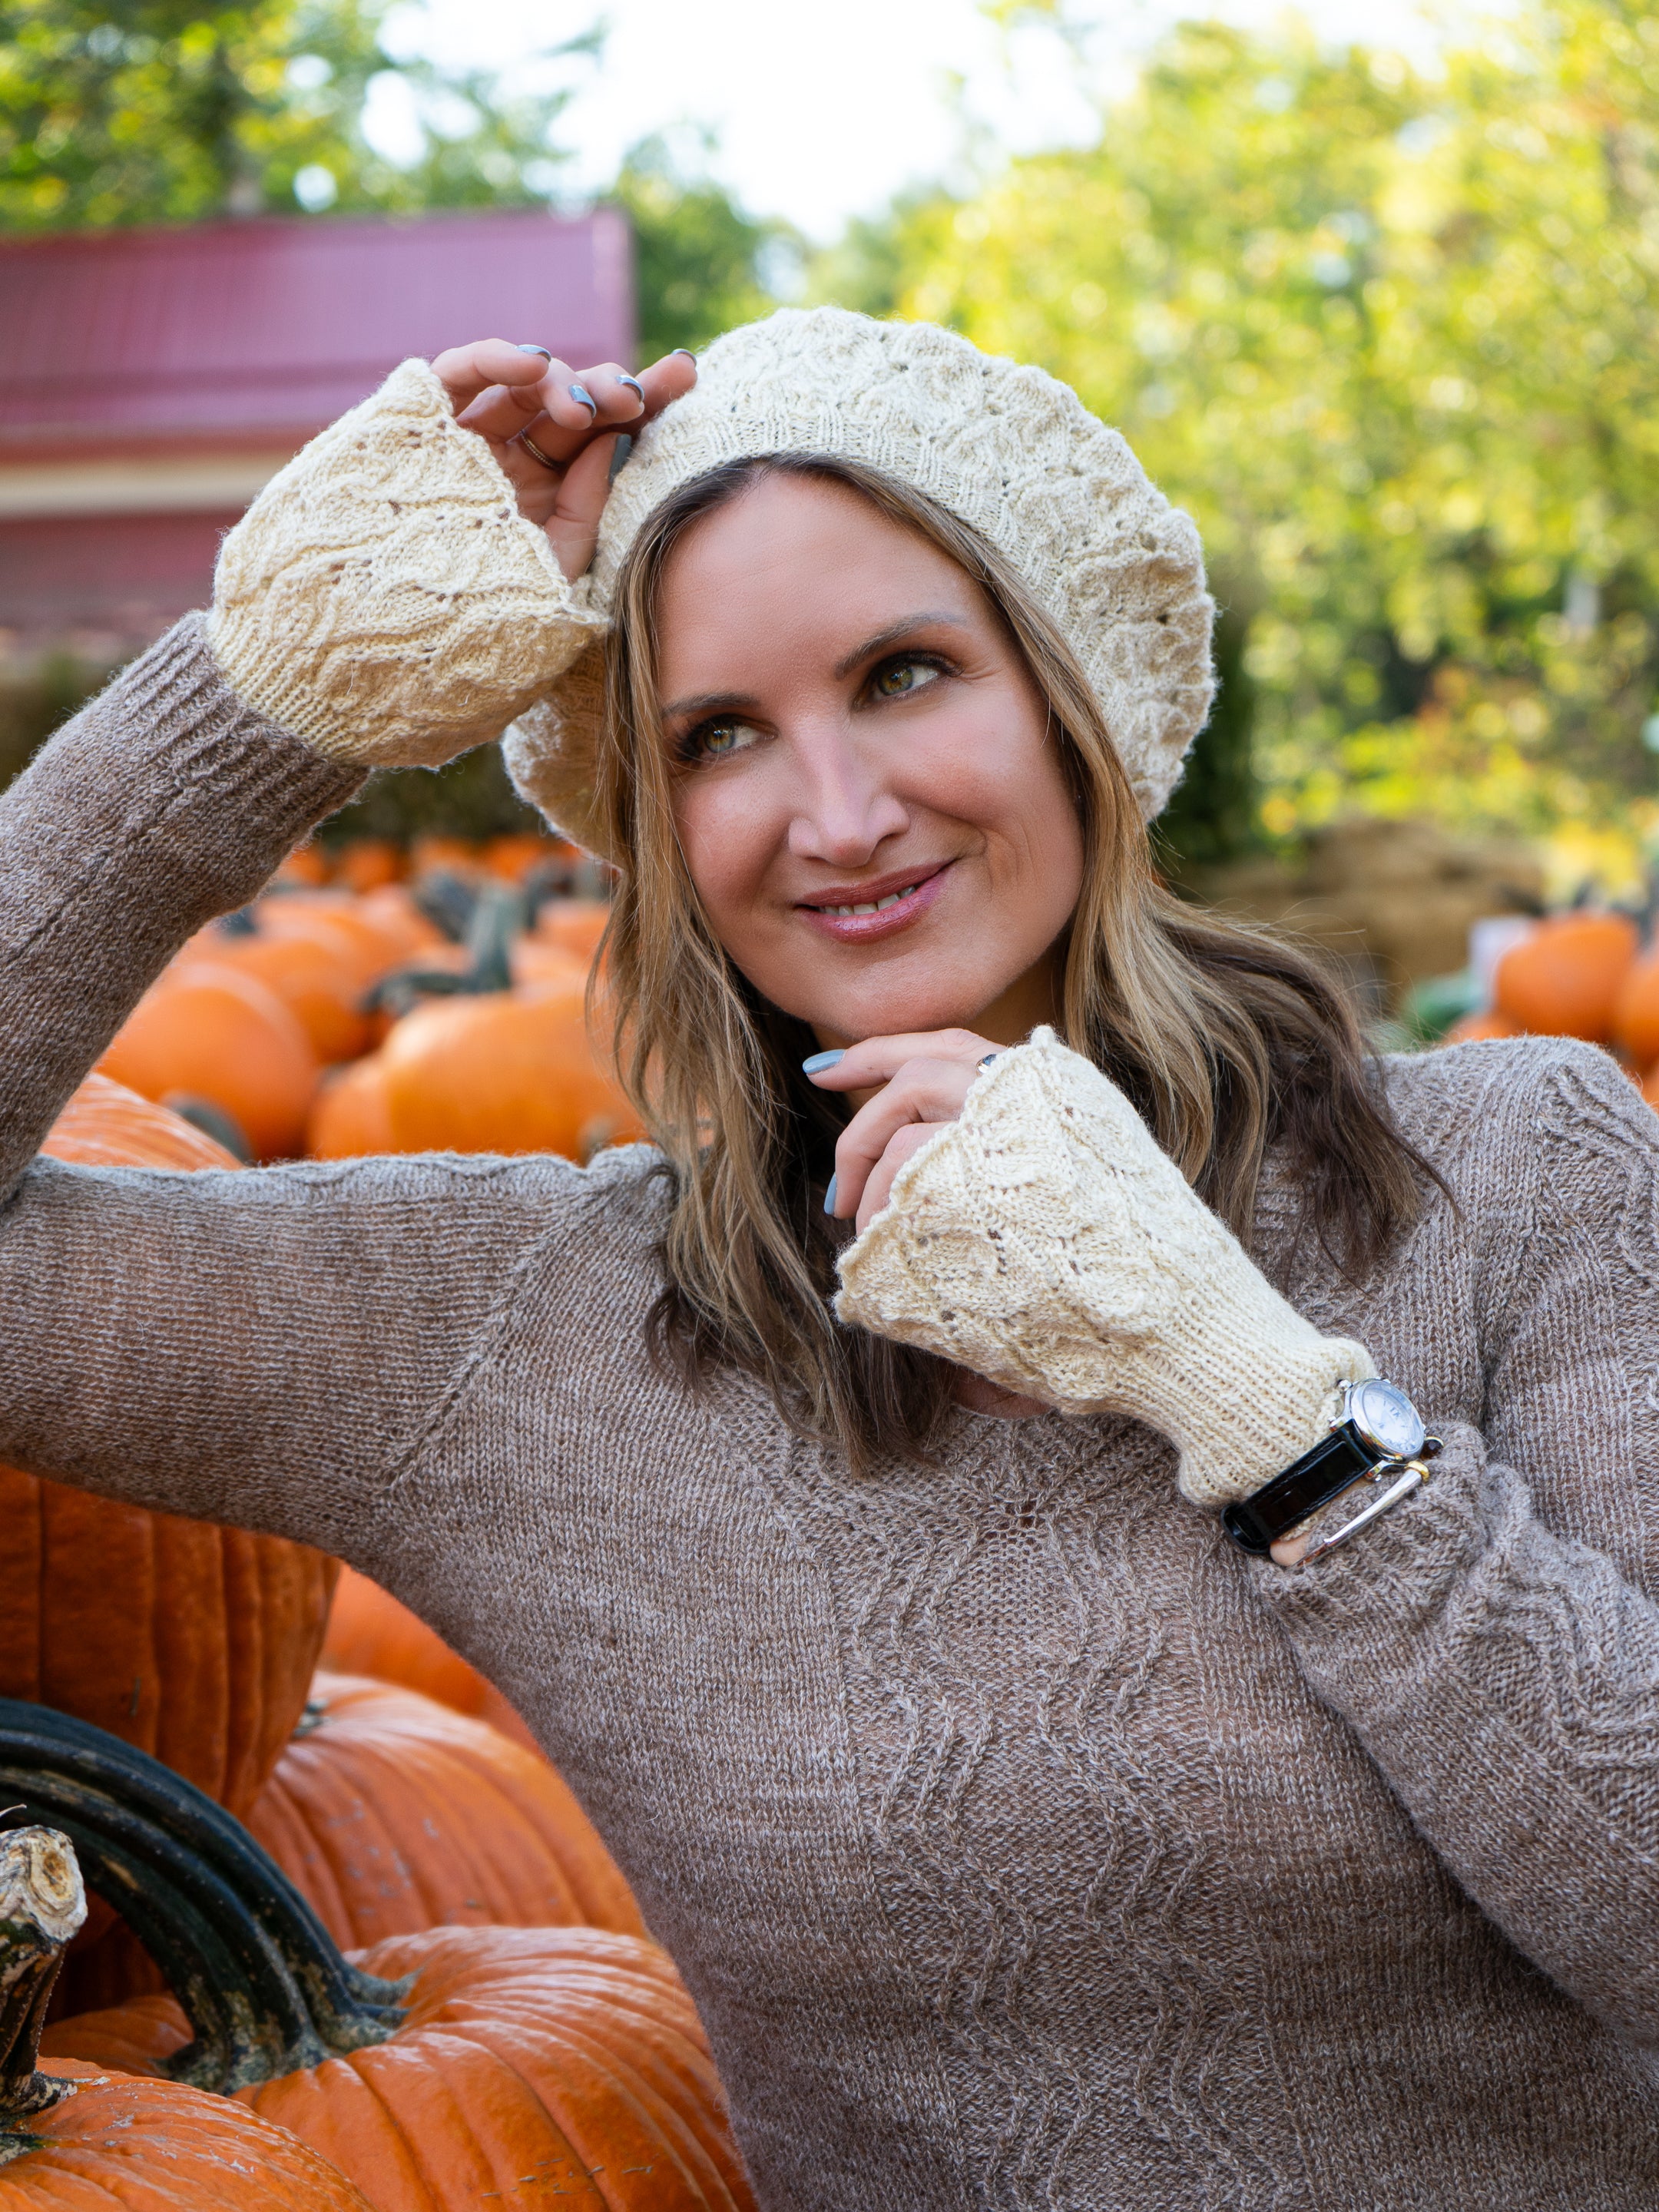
x: 258, y: 333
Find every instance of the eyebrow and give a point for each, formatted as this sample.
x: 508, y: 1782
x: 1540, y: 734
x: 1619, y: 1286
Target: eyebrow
x: 894, y: 632
x: 708, y: 702
x: 700, y: 704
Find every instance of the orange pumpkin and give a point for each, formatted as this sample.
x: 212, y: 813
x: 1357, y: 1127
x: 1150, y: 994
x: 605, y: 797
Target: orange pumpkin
x: 207, y: 1031
x: 321, y: 988
x: 365, y: 864
x: 1635, y: 1016
x: 1565, y: 978
x: 121, y: 2143
x: 79, y: 2136
x: 391, y: 1813
x: 504, y: 1071
x: 1470, y: 1029
x: 533, y: 960
x: 515, y: 855
x: 405, y: 928
x: 350, y: 1118
x: 369, y: 1632
x: 455, y: 855
x: 194, y: 1642
x: 437, y: 2070
x: 573, y: 924
x: 557, y: 2061
x: 306, y: 866
x: 105, y: 1125
x: 364, y: 944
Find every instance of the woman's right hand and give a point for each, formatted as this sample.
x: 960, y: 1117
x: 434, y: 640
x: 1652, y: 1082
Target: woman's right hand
x: 504, y: 391
x: 403, y: 590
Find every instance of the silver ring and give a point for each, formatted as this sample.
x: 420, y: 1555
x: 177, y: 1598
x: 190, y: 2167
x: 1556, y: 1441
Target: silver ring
x: 536, y: 452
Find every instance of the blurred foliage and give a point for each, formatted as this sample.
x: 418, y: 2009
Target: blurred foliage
x: 165, y: 111
x: 470, y: 797
x: 1391, y: 339
x: 697, y: 257
x: 1215, y: 814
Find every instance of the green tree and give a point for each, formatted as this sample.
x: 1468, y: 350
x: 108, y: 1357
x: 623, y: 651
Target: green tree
x: 167, y: 110
x: 698, y: 258
x: 1391, y: 340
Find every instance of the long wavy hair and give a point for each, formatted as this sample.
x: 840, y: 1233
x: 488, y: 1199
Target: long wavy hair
x: 1227, y: 1040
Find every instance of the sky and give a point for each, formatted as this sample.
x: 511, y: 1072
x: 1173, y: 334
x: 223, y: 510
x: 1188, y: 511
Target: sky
x: 823, y: 112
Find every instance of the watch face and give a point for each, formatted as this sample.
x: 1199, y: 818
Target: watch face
x: 1386, y: 1418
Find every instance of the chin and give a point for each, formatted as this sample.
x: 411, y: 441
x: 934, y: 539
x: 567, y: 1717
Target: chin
x: 897, y: 1013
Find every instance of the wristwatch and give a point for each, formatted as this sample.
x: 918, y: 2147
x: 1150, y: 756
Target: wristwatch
x: 1378, y: 1433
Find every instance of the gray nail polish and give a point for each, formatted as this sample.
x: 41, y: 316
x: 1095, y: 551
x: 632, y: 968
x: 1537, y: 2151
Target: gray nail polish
x: 579, y: 391
x: 633, y: 386
x: 829, y: 1195
x: 687, y: 351
x: 821, y: 1061
x: 624, y: 446
x: 540, y: 350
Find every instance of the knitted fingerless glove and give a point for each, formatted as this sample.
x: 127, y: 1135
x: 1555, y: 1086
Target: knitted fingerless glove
x: 1045, y: 1241
x: 383, y: 597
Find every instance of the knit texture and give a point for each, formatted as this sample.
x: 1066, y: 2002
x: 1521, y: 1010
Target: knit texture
x: 1004, y: 448
x: 1044, y: 1240
x: 383, y: 597
x: 1023, y: 1843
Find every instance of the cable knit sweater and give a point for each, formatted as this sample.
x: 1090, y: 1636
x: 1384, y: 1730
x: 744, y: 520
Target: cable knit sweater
x: 1023, y: 1843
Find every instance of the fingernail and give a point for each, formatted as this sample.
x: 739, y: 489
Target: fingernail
x: 829, y: 1195
x: 623, y: 447
x: 634, y: 384
x: 820, y: 1060
x: 540, y: 350
x: 579, y: 391
x: 687, y: 351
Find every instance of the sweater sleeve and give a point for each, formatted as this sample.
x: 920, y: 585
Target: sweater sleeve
x: 260, y: 1347
x: 1494, y: 1642
x: 164, y: 802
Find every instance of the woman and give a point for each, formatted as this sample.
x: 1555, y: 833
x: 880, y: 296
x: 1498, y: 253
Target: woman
x: 1023, y: 1839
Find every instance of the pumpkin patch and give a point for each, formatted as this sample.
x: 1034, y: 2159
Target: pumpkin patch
x: 391, y: 1814
x: 383, y: 1002
x: 434, y: 2071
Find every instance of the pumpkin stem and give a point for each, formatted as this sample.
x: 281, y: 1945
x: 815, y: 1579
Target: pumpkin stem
x: 264, y: 1988
x: 42, y: 1903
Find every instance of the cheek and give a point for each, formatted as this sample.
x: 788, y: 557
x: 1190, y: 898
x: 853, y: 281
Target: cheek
x: 997, y: 769
x: 728, y: 838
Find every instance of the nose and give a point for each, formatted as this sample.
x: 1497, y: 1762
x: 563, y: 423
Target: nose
x: 845, y: 809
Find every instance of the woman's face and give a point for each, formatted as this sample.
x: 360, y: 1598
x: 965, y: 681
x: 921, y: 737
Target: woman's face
x: 866, y: 794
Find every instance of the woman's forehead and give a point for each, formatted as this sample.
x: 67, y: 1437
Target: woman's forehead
x: 799, y: 554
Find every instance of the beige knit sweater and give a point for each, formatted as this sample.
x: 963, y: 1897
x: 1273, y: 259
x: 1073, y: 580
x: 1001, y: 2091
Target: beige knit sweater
x: 1023, y: 1843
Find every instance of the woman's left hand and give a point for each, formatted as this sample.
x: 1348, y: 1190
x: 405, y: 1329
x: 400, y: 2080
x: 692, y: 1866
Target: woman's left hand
x: 919, y: 1084
x: 1044, y: 1240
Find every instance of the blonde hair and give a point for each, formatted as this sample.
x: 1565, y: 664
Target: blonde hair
x: 1225, y: 1039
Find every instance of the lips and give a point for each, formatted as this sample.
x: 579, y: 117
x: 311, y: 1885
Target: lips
x: 854, y: 913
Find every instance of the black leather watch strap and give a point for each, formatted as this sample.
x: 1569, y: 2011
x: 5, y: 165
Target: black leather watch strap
x: 1258, y: 1521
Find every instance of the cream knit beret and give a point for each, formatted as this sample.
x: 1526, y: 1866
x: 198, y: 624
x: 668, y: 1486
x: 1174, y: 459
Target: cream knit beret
x: 1006, y: 448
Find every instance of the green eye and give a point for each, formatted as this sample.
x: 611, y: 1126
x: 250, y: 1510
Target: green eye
x: 718, y: 739
x: 902, y: 676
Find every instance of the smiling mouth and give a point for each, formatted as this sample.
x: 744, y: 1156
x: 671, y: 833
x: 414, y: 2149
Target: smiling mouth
x: 872, y: 905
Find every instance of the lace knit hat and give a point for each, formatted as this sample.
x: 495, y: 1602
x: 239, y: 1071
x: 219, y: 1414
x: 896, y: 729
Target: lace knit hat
x: 1006, y: 448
